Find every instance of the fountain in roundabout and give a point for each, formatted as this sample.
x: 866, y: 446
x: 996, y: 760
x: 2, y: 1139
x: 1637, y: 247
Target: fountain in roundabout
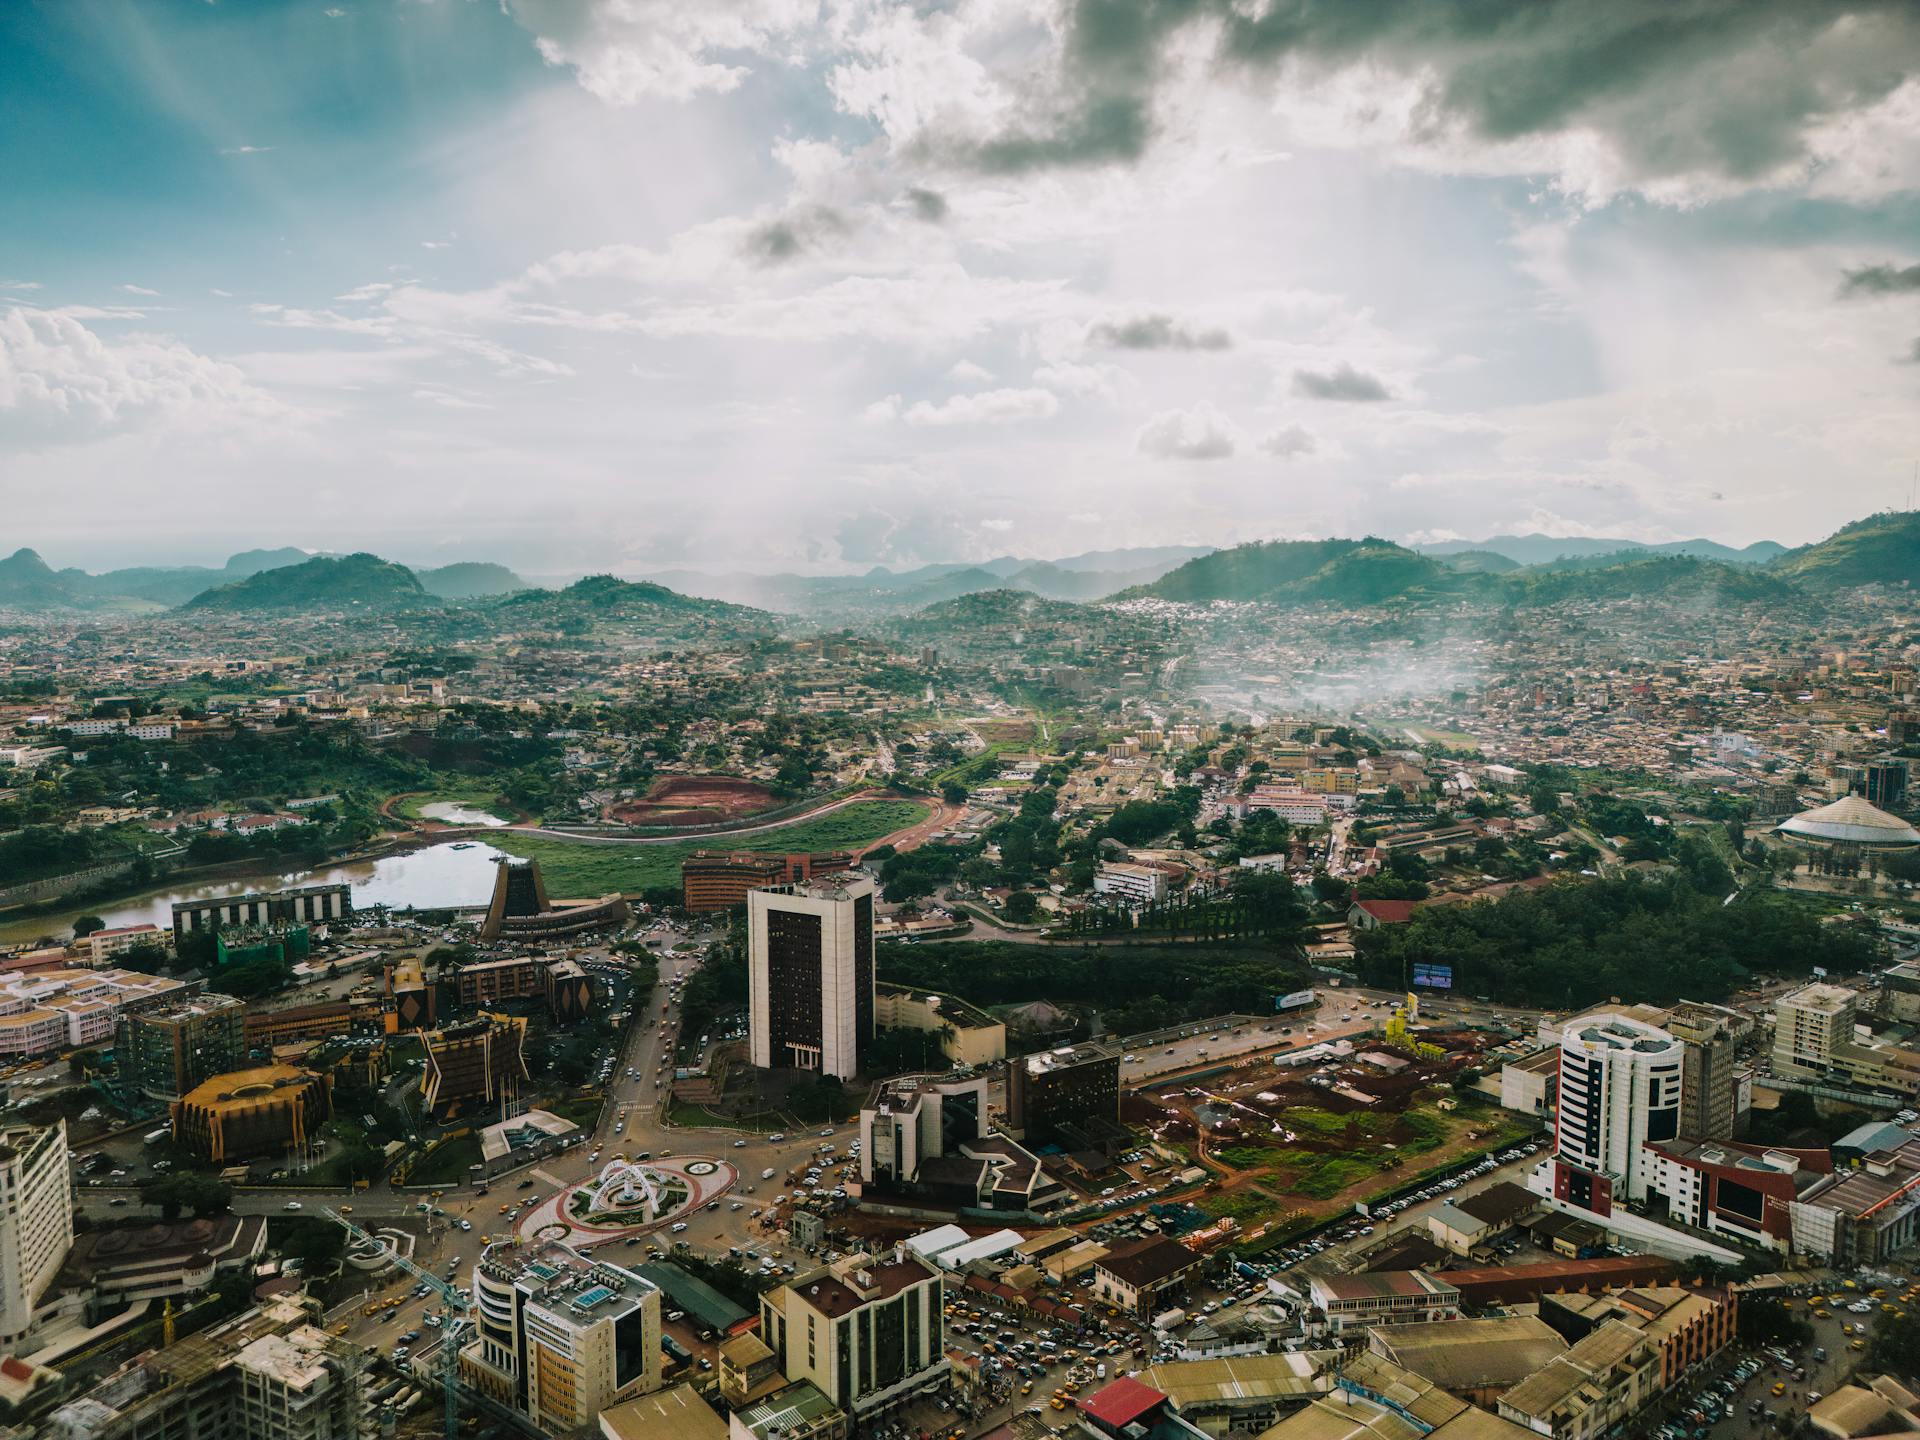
x: 628, y: 1197
x: 624, y: 1189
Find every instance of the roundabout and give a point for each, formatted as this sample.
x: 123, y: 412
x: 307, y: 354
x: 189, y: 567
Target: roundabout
x: 626, y: 1198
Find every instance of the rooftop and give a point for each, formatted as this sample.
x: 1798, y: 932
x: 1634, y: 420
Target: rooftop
x: 1618, y: 1032
x: 1471, y: 1354
x: 800, y: 1406
x: 1380, y: 1285
x: 676, y: 1414
x: 859, y: 1280
x: 1067, y: 1056
x: 1146, y: 1262
x: 1851, y: 821
x: 1121, y: 1402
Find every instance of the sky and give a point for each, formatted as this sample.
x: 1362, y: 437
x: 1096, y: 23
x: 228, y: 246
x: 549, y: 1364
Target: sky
x: 817, y: 285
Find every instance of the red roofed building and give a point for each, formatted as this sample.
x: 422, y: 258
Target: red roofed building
x: 1517, y: 1284
x: 1123, y: 1402
x: 1372, y: 914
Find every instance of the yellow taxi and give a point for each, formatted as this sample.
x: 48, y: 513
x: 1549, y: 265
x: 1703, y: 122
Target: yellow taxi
x: 1786, y: 1304
x: 1027, y: 1389
x: 1846, y: 1328
x: 1059, y: 1403
x: 346, y: 1209
x: 1858, y: 1345
x: 1824, y: 1313
x: 1779, y: 1387
x: 341, y: 1328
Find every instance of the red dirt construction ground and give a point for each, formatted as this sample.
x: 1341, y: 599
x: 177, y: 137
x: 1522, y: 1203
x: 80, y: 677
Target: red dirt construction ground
x: 695, y: 800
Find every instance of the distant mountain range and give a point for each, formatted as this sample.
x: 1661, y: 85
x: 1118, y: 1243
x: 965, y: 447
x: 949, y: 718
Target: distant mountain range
x: 1544, y: 549
x: 1088, y: 576
x: 28, y: 583
x: 1881, y: 549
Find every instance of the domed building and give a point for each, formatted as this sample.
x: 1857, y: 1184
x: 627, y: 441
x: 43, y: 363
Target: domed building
x: 261, y: 1111
x: 1850, y: 822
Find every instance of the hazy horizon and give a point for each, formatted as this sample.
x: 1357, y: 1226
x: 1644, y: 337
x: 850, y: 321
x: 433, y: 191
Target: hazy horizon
x: 816, y: 285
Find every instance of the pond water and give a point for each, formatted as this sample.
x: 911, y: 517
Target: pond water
x: 456, y: 873
x: 453, y: 812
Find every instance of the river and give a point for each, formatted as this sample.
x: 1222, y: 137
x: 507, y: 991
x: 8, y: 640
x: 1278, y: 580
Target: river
x: 455, y: 873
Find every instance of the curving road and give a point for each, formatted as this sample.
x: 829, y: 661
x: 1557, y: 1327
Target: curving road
x: 905, y: 838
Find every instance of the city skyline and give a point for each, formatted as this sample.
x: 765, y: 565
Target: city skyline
x: 537, y: 282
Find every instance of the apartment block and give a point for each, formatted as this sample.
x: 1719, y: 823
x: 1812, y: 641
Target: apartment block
x: 865, y: 1331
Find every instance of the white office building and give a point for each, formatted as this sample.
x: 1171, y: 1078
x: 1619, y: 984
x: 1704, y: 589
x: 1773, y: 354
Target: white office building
x: 1620, y: 1086
x: 36, y: 1222
x: 1135, y: 884
x: 810, y: 963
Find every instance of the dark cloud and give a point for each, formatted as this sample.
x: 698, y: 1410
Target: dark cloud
x: 1099, y: 130
x: 1881, y: 280
x: 1722, y: 87
x: 1913, y: 355
x: 1155, y: 332
x: 928, y: 205
x: 1343, y: 382
x: 793, y: 234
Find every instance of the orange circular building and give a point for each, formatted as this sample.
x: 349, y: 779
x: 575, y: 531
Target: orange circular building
x: 252, y: 1112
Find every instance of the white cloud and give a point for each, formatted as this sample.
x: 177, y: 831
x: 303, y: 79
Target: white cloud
x: 59, y: 381
x: 249, y: 150
x: 1289, y: 442
x: 965, y: 372
x: 1201, y: 433
x: 138, y: 290
x: 983, y: 407
x: 1101, y: 382
x: 624, y: 51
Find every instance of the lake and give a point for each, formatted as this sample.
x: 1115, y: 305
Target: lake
x: 456, y: 873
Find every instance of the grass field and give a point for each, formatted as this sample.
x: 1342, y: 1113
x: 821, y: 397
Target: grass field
x: 1433, y: 735
x: 1424, y: 1128
x: 447, y: 1165
x: 576, y: 871
x: 479, y: 796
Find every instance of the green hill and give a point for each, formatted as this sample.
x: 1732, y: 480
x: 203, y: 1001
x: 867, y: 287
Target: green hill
x: 1479, y: 562
x: 1341, y: 572
x: 322, y: 583
x: 1677, y: 578
x: 466, y: 579
x: 985, y: 609
x: 1882, y: 549
x: 28, y: 583
x: 608, y: 600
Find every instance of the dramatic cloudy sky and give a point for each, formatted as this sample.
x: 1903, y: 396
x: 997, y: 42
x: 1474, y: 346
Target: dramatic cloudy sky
x: 819, y: 284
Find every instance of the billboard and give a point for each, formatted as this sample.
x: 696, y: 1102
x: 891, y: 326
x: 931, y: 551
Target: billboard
x: 1434, y: 977
x: 1294, y: 1001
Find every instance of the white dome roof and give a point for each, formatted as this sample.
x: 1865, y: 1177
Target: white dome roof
x: 1851, y: 821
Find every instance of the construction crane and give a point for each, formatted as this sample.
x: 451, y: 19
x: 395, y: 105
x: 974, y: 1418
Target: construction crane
x: 452, y: 1331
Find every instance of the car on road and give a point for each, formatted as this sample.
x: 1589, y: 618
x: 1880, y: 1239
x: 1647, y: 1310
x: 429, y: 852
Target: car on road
x: 739, y: 1144
x: 291, y: 1205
